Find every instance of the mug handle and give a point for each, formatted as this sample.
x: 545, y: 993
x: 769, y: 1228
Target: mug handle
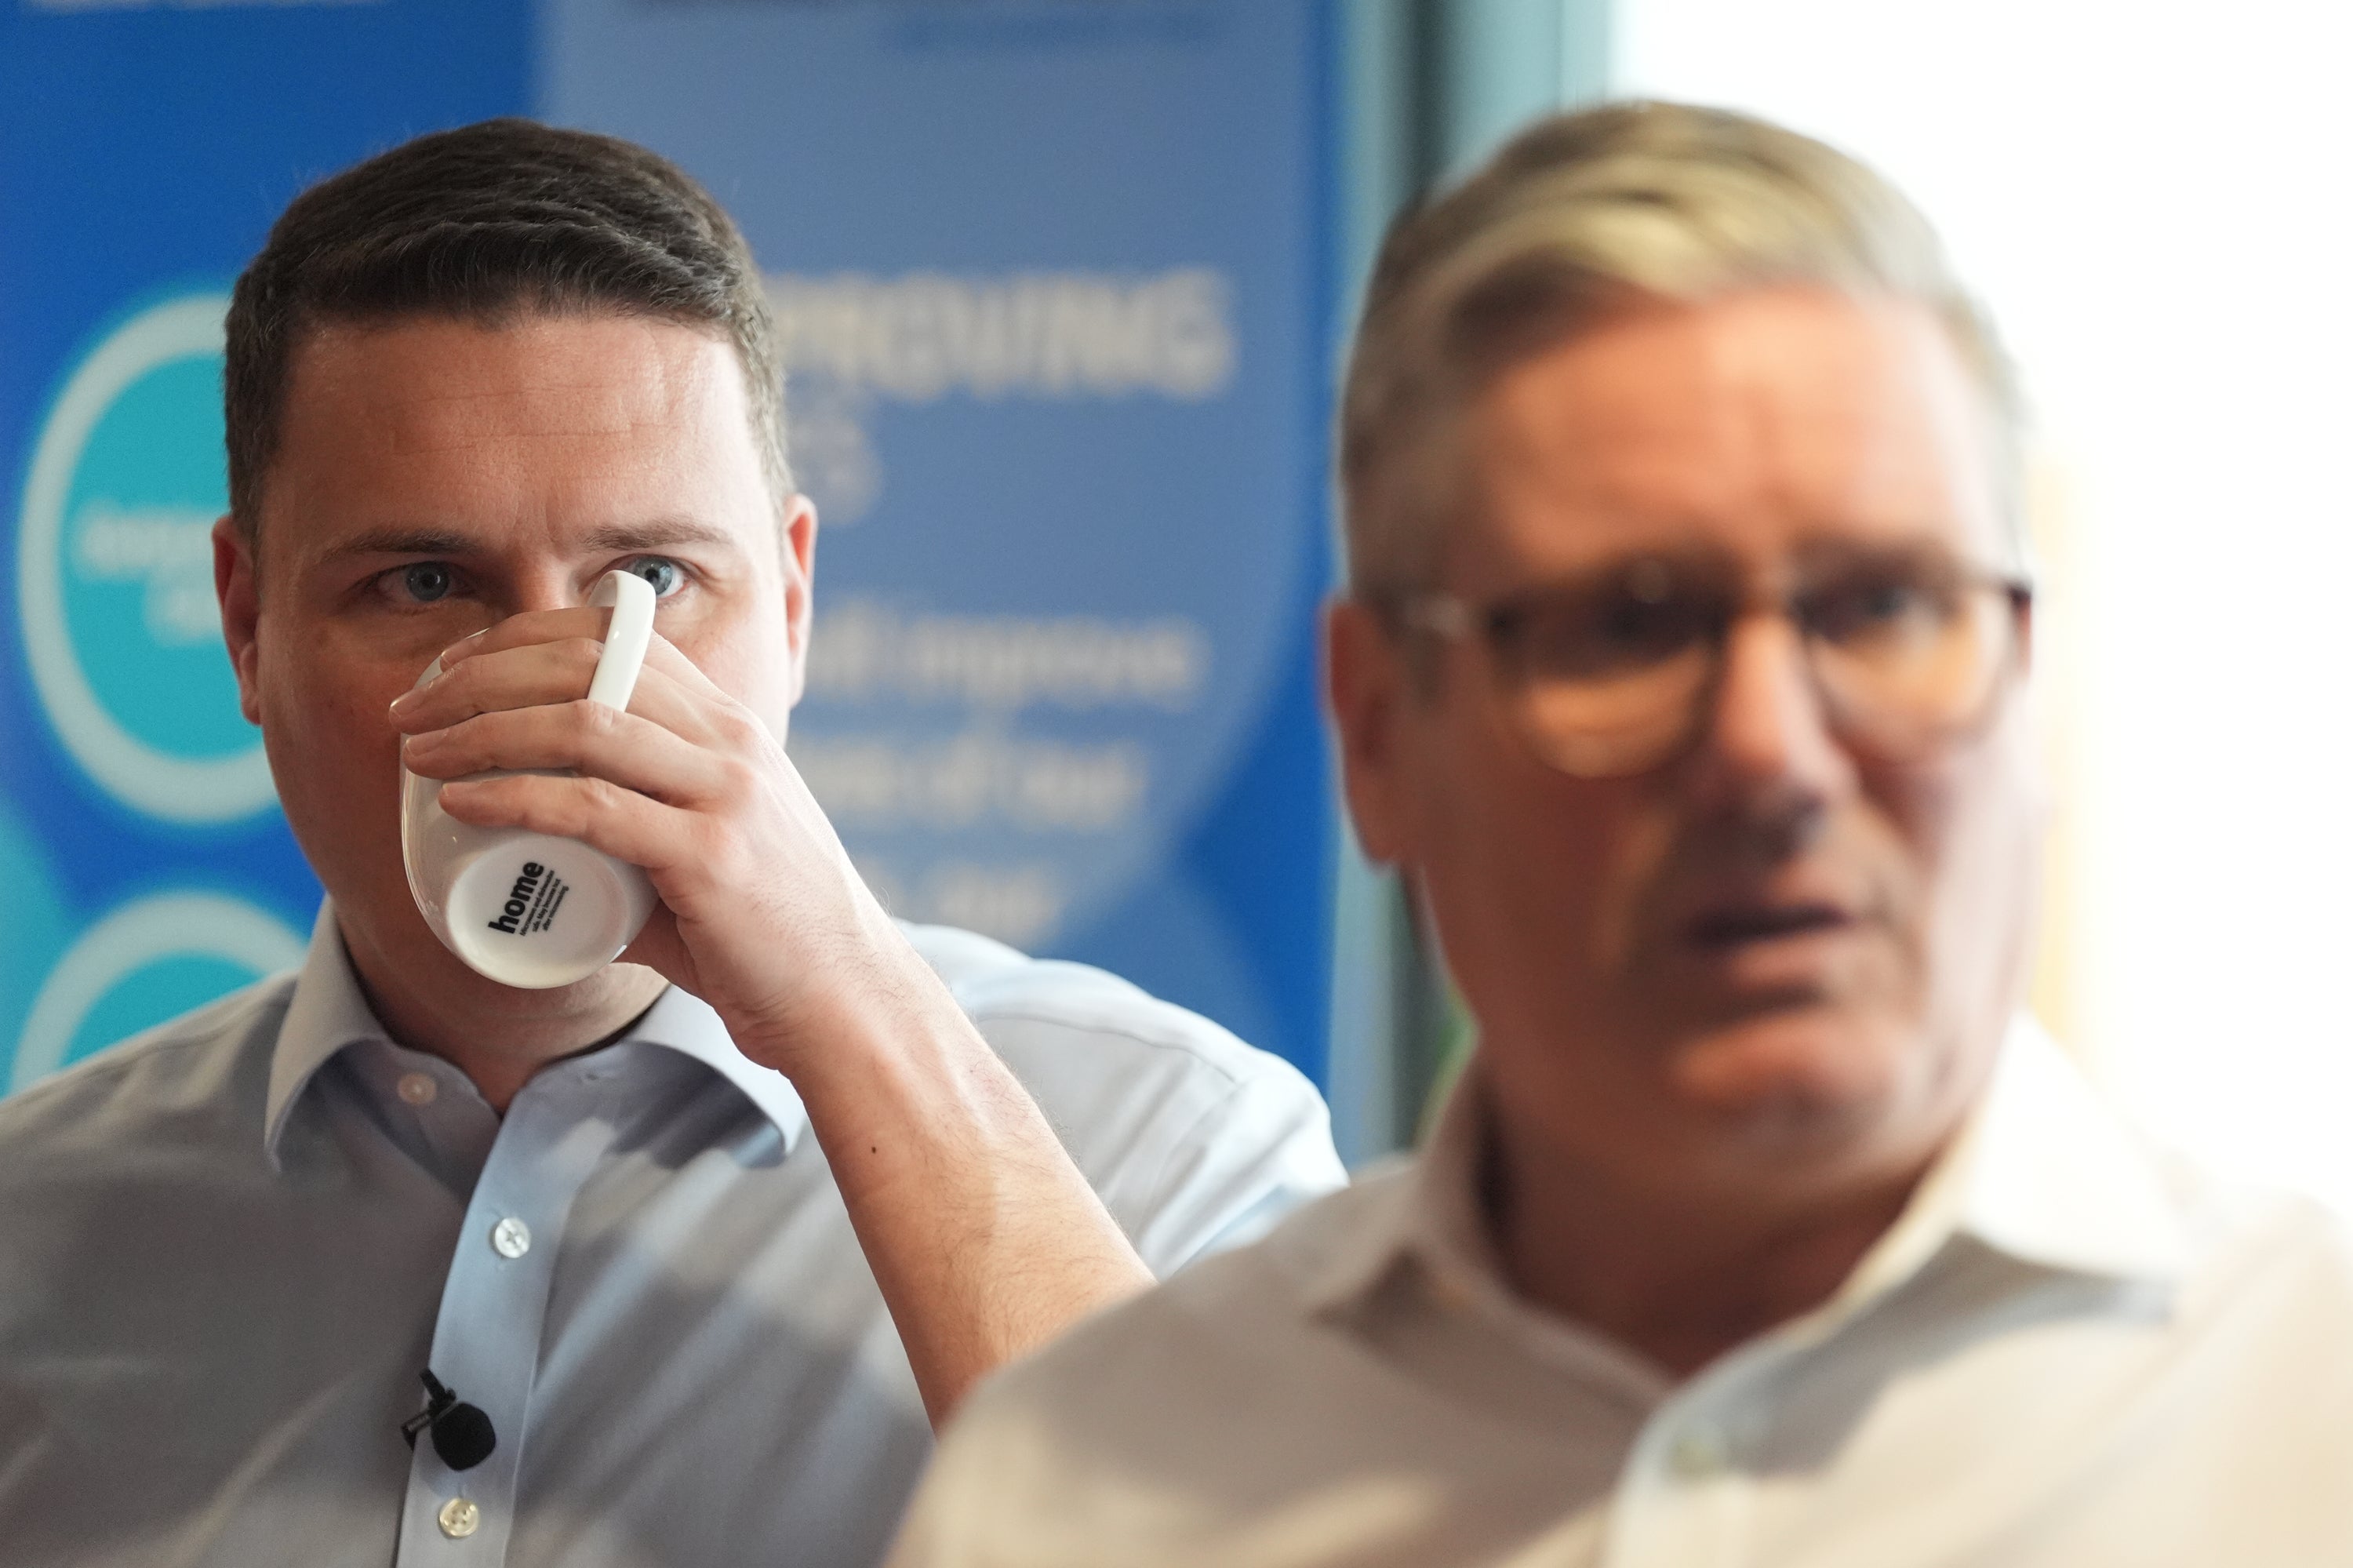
x: 631, y: 599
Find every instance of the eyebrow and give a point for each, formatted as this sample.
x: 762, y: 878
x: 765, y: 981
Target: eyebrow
x: 400, y: 540
x: 658, y: 533
x: 1832, y: 552
x: 612, y: 539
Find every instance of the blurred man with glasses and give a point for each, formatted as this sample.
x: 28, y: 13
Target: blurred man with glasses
x: 1682, y: 673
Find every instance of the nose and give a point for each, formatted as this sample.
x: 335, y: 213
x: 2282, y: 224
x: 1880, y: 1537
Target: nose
x: 545, y: 585
x: 1766, y: 754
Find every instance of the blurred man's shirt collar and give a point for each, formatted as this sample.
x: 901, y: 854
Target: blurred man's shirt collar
x: 2070, y: 1348
x: 2041, y: 1172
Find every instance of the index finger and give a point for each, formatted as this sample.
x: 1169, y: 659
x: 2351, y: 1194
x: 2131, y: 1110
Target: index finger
x: 528, y: 629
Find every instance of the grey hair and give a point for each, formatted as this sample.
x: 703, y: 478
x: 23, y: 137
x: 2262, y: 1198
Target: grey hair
x: 1588, y: 214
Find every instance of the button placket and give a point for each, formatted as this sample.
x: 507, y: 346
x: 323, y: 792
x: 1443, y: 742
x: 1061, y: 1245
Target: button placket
x: 1678, y: 1506
x: 1683, y: 1499
x: 487, y: 1338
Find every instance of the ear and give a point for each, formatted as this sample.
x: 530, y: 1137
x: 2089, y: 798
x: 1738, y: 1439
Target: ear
x: 236, y: 585
x: 797, y: 531
x: 1367, y: 684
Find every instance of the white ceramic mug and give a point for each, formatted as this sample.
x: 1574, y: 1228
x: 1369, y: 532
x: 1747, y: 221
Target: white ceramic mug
x: 532, y: 910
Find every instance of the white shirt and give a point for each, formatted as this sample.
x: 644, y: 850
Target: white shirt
x: 227, y: 1249
x: 2065, y: 1354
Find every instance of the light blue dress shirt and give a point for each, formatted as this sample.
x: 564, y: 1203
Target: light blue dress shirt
x: 228, y: 1248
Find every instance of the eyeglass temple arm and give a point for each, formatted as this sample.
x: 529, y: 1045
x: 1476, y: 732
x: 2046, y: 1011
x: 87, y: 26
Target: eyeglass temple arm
x: 1439, y: 613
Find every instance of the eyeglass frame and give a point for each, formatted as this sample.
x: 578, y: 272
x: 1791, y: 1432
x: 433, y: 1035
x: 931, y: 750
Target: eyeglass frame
x: 1450, y: 616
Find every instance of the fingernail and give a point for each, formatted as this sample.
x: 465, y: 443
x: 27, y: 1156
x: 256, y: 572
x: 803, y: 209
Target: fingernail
x: 407, y: 700
x: 462, y: 648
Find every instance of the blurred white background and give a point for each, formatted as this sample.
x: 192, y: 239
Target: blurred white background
x: 2153, y: 198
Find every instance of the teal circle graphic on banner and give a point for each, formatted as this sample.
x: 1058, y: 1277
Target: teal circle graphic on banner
x: 114, y: 572
x: 148, y: 961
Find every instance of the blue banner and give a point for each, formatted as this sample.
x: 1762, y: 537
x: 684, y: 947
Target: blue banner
x: 1053, y: 281
x: 144, y: 151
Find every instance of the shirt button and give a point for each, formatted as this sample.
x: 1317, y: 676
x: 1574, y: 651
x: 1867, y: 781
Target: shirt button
x: 1696, y: 1455
x: 418, y: 1088
x: 511, y: 1238
x: 460, y: 1518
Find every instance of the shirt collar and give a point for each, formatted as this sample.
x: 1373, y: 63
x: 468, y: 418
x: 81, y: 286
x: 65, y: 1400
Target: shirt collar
x: 2046, y: 1172
x: 1427, y: 1211
x: 2042, y: 1171
x: 685, y: 1023
x: 328, y: 1013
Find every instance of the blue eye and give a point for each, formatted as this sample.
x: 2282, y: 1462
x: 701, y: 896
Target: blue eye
x: 428, y: 580
x: 661, y: 572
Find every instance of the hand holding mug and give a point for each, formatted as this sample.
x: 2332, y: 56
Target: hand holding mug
x: 532, y: 909
x: 759, y: 910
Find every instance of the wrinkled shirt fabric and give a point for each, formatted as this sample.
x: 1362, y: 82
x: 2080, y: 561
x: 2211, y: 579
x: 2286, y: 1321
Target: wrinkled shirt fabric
x: 2069, y: 1349
x: 228, y: 1248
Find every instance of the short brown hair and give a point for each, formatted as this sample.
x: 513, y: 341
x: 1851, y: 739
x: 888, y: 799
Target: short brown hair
x: 1586, y: 215
x: 483, y: 223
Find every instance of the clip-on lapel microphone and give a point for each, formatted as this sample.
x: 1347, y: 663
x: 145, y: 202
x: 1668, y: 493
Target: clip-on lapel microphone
x: 461, y: 1432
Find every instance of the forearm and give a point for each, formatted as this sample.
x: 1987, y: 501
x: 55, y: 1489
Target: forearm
x: 983, y: 1235
x: 986, y: 1240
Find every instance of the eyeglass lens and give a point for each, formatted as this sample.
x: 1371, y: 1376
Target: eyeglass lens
x: 1609, y: 674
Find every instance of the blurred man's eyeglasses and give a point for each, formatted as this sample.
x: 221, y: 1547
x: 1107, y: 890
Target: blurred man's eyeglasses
x: 1612, y: 674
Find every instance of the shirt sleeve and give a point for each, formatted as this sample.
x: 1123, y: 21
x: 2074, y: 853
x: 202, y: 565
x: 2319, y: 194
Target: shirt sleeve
x: 1264, y: 1149
x: 1195, y: 1140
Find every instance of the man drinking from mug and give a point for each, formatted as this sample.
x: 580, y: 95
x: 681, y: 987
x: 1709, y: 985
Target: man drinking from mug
x: 684, y: 1253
